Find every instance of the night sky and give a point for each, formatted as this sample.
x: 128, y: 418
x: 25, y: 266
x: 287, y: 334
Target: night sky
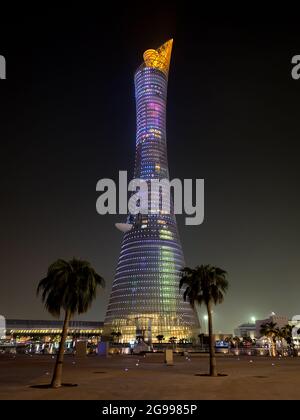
x: 67, y: 119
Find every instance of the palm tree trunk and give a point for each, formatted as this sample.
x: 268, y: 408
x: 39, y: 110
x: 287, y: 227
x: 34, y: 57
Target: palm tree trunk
x: 57, y: 374
x: 274, y: 350
x: 212, y: 357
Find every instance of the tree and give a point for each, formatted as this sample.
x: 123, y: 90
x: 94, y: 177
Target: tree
x: 207, y: 285
x: 236, y: 341
x: 116, y: 335
x: 270, y: 331
x: 229, y: 341
x: 160, y: 338
x: 286, y: 334
x: 173, y: 340
x: 69, y: 286
x: 113, y: 335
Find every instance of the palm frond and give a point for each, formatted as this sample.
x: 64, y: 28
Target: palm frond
x: 69, y: 285
x: 203, y: 284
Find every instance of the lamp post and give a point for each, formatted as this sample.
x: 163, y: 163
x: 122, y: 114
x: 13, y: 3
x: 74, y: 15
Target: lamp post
x: 253, y: 320
x: 205, y: 323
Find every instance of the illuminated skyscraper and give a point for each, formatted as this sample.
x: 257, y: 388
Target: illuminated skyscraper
x: 145, y: 298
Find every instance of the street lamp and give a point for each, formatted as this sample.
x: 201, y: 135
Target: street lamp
x: 253, y: 319
x: 206, y: 319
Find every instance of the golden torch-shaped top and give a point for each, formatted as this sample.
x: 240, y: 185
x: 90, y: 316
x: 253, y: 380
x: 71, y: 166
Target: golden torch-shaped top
x: 160, y: 58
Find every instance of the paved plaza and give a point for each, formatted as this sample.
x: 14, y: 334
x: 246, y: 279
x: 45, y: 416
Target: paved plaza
x: 133, y: 377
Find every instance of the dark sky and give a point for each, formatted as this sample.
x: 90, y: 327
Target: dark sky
x: 67, y: 119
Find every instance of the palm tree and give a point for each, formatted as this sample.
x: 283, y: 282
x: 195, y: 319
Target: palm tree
x: 205, y: 284
x: 270, y: 331
x: 236, y: 340
x: 173, y: 341
x: 229, y: 341
x: 113, y: 335
x: 160, y: 338
x: 69, y: 286
x: 286, y: 334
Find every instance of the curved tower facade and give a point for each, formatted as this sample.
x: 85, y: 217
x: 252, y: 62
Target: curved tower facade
x: 145, y: 298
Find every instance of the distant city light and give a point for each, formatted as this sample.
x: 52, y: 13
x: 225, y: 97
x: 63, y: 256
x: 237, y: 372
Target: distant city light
x: 253, y: 319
